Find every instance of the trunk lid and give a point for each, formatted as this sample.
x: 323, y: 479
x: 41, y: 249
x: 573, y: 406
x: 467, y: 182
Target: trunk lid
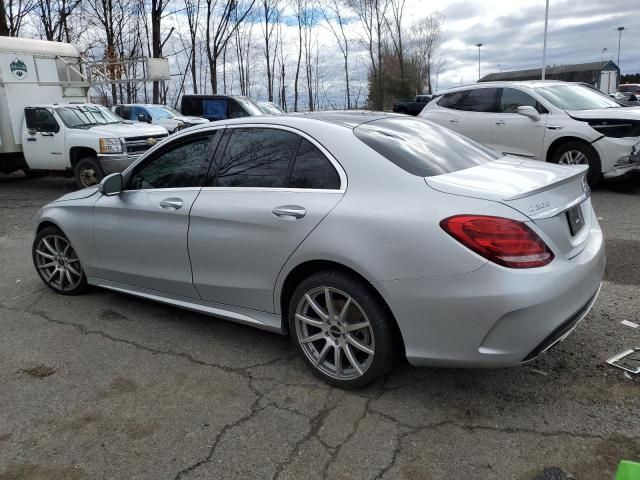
x: 546, y: 193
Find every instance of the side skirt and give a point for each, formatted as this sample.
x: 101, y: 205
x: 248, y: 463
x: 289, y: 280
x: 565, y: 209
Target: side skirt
x: 254, y: 318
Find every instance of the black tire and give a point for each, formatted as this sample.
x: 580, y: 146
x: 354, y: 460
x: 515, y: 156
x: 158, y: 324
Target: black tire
x: 594, y: 175
x: 88, y: 172
x: 33, y: 173
x: 65, y: 274
x: 340, y: 334
x: 553, y: 473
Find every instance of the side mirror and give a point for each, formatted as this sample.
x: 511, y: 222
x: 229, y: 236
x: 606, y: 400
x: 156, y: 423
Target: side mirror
x: 144, y: 118
x: 529, y: 111
x: 111, y: 184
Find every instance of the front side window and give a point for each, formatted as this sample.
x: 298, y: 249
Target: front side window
x: 41, y: 120
x: 512, y: 98
x: 179, y: 167
x: 311, y: 169
x: 256, y: 157
x: 422, y: 148
x: 480, y: 100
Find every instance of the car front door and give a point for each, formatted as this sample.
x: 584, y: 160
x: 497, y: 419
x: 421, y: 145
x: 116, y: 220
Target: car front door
x: 515, y: 134
x: 43, y: 140
x: 141, y: 234
x: 271, y: 187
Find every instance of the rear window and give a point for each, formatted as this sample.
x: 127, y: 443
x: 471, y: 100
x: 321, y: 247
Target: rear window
x: 422, y: 148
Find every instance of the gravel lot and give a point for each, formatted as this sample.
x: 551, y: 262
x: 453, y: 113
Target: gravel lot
x: 110, y: 386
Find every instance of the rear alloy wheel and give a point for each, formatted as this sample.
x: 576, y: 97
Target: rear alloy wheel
x: 343, y: 332
x: 57, y: 262
x: 88, y: 172
x: 580, y: 153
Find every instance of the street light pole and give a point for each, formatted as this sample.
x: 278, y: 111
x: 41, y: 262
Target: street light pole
x: 604, y: 50
x: 479, y: 45
x: 620, y: 29
x: 544, y: 46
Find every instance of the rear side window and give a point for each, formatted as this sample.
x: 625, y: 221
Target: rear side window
x: 422, y: 148
x: 311, y: 169
x: 480, y: 100
x: 214, y: 109
x: 256, y: 157
x: 451, y: 100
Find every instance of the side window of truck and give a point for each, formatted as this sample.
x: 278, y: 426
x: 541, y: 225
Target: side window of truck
x: 41, y: 120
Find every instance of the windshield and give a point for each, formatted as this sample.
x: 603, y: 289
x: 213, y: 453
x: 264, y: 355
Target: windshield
x: 250, y: 106
x: 172, y: 110
x: 576, y: 97
x: 85, y: 116
x: 270, y: 108
x: 160, y: 112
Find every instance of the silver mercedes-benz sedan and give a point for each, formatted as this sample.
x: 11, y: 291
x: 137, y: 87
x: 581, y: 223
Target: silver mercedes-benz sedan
x: 361, y: 235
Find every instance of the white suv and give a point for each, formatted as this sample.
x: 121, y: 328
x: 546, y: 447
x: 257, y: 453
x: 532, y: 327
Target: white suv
x: 551, y: 121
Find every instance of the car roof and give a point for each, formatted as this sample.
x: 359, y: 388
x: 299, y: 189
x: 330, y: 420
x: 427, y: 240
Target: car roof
x: 498, y: 84
x: 141, y: 105
x: 53, y: 105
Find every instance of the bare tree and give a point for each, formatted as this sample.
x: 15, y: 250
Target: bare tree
x: 54, y: 18
x: 299, y: 7
x: 243, y: 40
x: 157, y: 9
x: 12, y: 14
x: 395, y: 27
x: 223, y: 18
x: 269, y: 19
x: 192, y: 11
x: 332, y: 14
x: 425, y: 41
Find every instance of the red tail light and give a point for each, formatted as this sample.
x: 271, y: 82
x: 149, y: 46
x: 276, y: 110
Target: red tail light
x: 507, y: 242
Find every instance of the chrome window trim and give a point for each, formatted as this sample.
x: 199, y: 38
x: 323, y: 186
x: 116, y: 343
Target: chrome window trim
x: 271, y: 189
x: 341, y: 172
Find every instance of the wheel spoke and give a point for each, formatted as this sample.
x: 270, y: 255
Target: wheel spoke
x: 74, y: 271
x: 47, y: 265
x: 316, y: 308
x: 356, y: 326
x: 329, y: 302
x: 323, y: 353
x: 345, y: 309
x: 56, y: 244
x: 337, y: 361
x: 73, y: 260
x: 352, y: 359
x: 356, y: 343
x: 61, y: 279
x: 309, y: 321
x: 68, y: 275
x: 312, y: 338
x: 46, y: 255
x: 48, y: 246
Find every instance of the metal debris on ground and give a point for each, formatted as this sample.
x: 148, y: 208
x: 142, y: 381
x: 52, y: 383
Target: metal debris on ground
x: 629, y: 360
x: 629, y: 324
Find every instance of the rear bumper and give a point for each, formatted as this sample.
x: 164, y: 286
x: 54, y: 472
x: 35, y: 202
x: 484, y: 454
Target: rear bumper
x: 618, y: 155
x: 495, y: 316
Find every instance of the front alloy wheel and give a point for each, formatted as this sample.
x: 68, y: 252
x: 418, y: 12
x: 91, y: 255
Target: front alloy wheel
x: 342, y: 328
x: 57, y: 263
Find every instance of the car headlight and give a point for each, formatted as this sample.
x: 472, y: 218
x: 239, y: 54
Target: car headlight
x: 110, y: 145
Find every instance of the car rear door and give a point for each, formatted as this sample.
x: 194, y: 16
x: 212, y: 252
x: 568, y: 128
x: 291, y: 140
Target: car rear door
x: 268, y: 189
x: 141, y: 234
x: 512, y: 133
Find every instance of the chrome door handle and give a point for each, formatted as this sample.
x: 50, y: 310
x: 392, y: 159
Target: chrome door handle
x: 453, y: 120
x: 171, y: 203
x: 500, y: 122
x: 289, y: 211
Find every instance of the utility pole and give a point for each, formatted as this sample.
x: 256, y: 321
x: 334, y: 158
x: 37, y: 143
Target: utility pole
x: 620, y: 29
x: 544, y: 45
x: 604, y: 50
x: 479, y: 45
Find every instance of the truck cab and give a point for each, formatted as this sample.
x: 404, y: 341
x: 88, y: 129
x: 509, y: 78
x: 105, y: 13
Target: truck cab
x: 86, y: 140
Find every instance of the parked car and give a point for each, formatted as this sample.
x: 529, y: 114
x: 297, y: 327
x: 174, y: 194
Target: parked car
x: 161, y: 115
x: 627, y: 99
x: 630, y: 88
x: 412, y: 107
x: 552, y: 121
x: 270, y: 108
x: 219, y: 107
x: 361, y: 235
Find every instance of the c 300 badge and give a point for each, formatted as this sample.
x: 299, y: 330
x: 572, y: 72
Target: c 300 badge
x: 539, y: 206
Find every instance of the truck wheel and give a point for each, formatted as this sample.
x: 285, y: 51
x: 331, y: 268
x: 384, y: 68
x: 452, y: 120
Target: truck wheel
x: 88, y: 172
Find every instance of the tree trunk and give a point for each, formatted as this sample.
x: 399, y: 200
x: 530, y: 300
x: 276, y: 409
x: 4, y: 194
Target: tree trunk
x: 4, y: 28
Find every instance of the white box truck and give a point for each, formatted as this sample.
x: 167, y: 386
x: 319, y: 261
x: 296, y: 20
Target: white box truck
x: 46, y: 124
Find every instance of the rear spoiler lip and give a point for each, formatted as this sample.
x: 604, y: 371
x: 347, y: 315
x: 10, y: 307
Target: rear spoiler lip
x: 555, y: 211
x: 579, y: 170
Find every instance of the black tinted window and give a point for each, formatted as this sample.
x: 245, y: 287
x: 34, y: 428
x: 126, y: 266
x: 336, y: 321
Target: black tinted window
x: 511, y: 99
x: 451, y: 100
x: 256, y: 157
x: 312, y: 169
x: 479, y: 100
x: 179, y: 167
x: 40, y: 119
x: 422, y: 148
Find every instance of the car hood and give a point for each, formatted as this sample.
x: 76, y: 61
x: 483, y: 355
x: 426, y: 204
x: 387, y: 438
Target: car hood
x: 78, y: 194
x: 193, y: 120
x: 621, y: 113
x: 128, y: 130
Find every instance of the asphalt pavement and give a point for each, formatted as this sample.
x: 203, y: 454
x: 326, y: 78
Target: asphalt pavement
x: 107, y: 386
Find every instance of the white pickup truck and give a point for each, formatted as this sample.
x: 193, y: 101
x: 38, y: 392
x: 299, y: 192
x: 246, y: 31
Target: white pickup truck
x: 46, y: 124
